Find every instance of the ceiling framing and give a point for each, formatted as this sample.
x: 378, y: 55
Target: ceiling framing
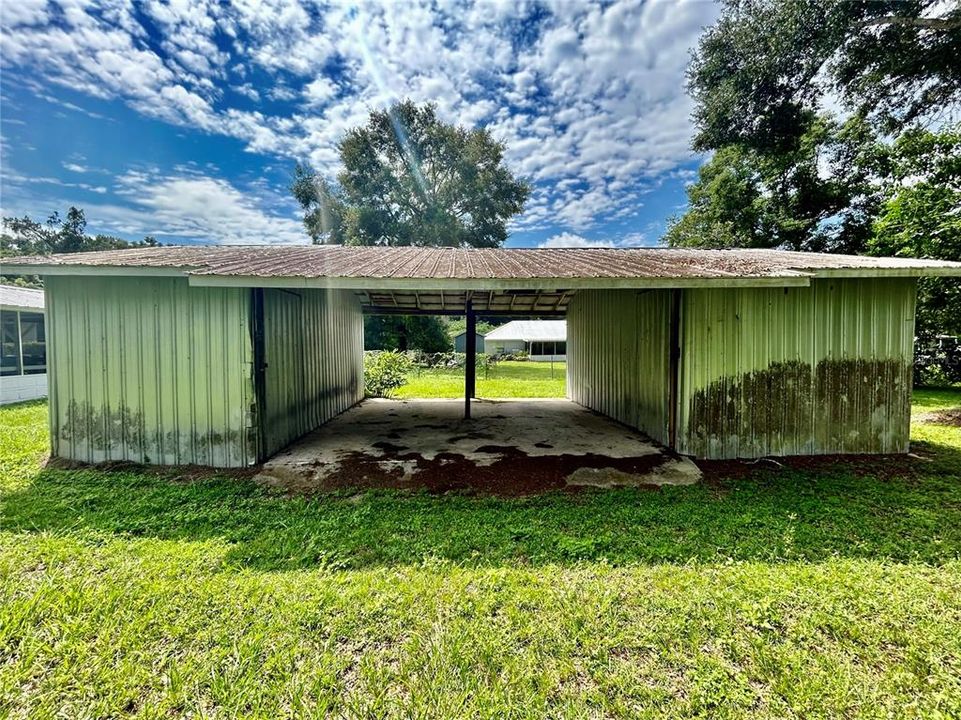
x: 447, y: 302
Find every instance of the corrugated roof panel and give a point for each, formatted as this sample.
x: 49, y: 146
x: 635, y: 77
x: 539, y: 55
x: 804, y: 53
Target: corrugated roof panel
x: 315, y: 261
x: 19, y: 297
x: 530, y: 331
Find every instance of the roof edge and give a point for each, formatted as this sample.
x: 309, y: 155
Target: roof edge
x: 543, y: 283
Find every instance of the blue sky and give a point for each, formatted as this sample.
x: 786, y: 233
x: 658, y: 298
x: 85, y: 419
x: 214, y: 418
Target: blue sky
x: 183, y: 119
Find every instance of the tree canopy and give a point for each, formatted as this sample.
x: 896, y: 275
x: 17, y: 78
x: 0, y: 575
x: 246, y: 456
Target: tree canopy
x: 763, y: 72
x: 25, y: 236
x: 410, y: 179
x: 921, y: 217
x: 406, y: 332
x: 831, y: 128
x: 820, y: 196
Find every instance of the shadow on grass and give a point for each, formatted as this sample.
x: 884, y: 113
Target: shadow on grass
x: 770, y: 515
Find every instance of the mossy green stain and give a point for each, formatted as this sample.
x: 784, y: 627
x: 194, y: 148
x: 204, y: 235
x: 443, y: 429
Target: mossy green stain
x: 842, y: 405
x: 106, y: 429
x: 103, y: 428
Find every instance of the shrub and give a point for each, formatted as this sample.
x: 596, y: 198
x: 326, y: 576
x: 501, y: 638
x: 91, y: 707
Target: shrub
x: 437, y: 360
x: 514, y: 355
x: 937, y: 361
x: 384, y: 372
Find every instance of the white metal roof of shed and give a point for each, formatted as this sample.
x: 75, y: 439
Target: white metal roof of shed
x: 13, y: 297
x: 531, y: 331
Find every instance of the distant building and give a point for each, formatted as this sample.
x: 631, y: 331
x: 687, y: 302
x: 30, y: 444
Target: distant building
x: 542, y: 340
x: 23, y: 350
x: 460, y: 342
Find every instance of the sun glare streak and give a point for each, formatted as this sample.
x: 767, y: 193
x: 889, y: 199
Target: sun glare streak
x: 387, y: 96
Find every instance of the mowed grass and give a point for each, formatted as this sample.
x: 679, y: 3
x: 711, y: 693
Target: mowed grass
x: 782, y: 594
x: 503, y: 380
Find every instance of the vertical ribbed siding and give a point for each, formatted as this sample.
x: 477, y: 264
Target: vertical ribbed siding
x: 790, y: 371
x: 314, y: 349
x: 618, y: 356
x: 149, y: 370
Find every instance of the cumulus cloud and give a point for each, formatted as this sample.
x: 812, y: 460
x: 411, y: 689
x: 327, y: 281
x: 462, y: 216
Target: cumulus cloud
x: 319, y: 91
x: 588, y: 97
x: 571, y: 240
x: 248, y: 91
x: 197, y: 207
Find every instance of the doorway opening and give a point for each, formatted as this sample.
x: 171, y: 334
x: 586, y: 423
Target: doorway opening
x: 429, y: 356
x: 498, y: 368
x: 471, y: 424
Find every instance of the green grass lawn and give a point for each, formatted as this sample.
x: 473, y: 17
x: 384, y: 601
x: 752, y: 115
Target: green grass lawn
x: 505, y: 379
x: 780, y: 594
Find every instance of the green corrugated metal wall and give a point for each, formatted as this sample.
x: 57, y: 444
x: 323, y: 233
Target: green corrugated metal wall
x: 153, y: 370
x: 788, y: 371
x: 763, y: 371
x: 618, y: 355
x: 149, y: 370
x: 314, y: 350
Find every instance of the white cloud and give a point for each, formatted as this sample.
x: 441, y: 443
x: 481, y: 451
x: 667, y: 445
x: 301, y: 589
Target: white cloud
x: 248, y: 91
x: 319, y: 91
x: 15, y: 182
x: 570, y: 240
x: 590, y: 101
x: 197, y: 207
x: 24, y: 12
x: 281, y: 92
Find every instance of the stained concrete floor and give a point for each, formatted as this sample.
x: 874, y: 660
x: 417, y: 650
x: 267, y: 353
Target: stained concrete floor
x: 515, y: 446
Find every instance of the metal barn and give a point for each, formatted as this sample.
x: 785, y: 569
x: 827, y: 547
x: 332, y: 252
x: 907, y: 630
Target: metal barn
x: 460, y: 341
x: 223, y: 355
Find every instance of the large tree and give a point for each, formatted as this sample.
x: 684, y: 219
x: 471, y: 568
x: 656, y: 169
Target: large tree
x: 830, y: 124
x: 410, y: 179
x: 765, y: 69
x: 25, y: 236
x: 786, y: 172
x: 921, y: 217
x: 747, y: 198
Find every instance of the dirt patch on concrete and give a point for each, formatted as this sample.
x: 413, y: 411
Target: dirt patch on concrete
x: 517, y: 447
x: 512, y: 474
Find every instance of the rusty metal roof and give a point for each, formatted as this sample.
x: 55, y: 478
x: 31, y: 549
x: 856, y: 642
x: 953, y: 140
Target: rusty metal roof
x: 419, y: 263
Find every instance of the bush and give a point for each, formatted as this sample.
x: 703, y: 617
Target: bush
x: 446, y: 360
x: 937, y: 361
x: 434, y: 360
x: 514, y: 355
x: 384, y: 372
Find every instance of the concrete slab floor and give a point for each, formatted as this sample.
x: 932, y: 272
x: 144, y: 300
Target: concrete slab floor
x: 515, y: 447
